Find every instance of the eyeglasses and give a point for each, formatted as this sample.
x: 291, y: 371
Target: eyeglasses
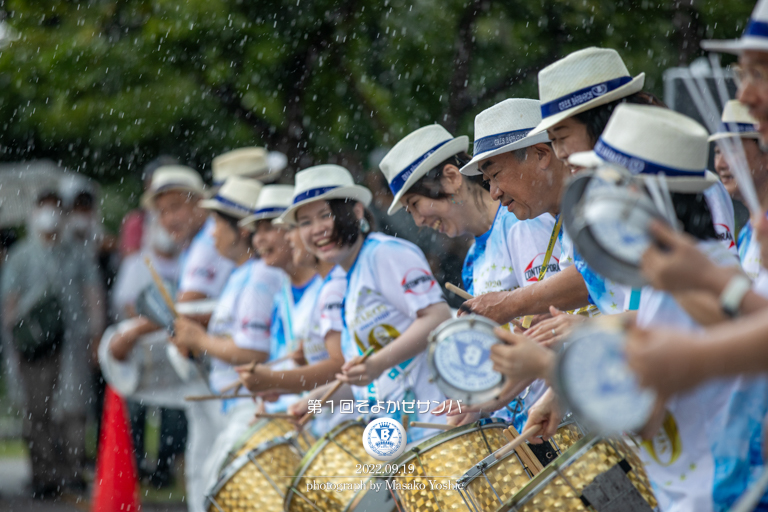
x: 757, y: 74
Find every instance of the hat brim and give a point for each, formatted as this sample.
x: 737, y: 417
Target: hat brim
x: 636, y: 85
x: 352, y: 192
x: 725, y: 135
x: 216, y: 206
x: 454, y: 147
x: 147, y: 200
x: 471, y: 168
x: 692, y: 185
x: 735, y: 46
x: 249, y: 221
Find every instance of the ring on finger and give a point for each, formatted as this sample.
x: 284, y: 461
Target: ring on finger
x: 554, y: 333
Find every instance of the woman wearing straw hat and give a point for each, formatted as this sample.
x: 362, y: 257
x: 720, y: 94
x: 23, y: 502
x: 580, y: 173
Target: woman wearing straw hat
x: 238, y: 331
x: 392, y: 300
x: 706, y: 467
x: 507, y: 254
x: 320, y: 340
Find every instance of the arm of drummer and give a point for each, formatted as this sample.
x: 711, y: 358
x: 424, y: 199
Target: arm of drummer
x: 190, y: 336
x: 261, y: 378
x: 409, y: 344
x: 301, y: 406
x: 545, y: 412
x: 123, y: 342
x: 565, y: 290
x: 191, y: 296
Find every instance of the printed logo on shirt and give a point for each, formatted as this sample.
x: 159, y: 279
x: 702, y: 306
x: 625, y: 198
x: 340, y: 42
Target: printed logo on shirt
x: 724, y: 235
x: 248, y: 324
x: 332, y: 306
x: 532, y: 270
x: 208, y: 273
x: 418, y: 281
x: 666, y: 446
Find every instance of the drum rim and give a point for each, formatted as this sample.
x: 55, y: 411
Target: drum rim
x: 551, y: 470
x: 312, y: 453
x: 231, y: 469
x: 468, y: 397
x: 559, y: 382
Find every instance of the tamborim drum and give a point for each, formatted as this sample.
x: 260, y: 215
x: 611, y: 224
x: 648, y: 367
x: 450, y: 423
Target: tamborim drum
x: 492, y: 481
x: 459, y: 359
x: 256, y: 481
x: 594, y: 380
x: 266, y: 429
x: 331, y: 473
x: 596, y: 473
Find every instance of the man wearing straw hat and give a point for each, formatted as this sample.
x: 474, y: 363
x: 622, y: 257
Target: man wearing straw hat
x: 251, y: 162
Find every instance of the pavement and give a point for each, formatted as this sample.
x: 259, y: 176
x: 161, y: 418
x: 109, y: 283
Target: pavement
x: 14, y: 480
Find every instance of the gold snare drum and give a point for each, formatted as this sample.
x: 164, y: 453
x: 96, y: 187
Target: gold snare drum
x: 603, y: 472
x: 492, y: 481
x: 256, y: 481
x: 333, y: 460
x: 265, y: 430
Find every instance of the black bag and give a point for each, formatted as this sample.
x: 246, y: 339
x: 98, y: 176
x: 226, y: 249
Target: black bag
x: 41, y: 331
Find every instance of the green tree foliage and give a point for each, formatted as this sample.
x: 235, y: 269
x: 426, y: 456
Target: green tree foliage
x: 104, y: 86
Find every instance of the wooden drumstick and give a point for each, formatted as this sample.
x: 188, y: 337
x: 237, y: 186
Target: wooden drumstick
x: 337, y: 384
x: 524, y: 435
x: 161, y: 287
x: 276, y: 415
x: 458, y: 291
x: 438, y: 426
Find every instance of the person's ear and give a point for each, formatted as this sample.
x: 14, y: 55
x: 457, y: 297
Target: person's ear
x: 451, y: 179
x: 359, y: 210
x: 543, y: 155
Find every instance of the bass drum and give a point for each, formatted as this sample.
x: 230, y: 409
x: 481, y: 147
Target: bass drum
x: 147, y: 374
x: 264, y: 430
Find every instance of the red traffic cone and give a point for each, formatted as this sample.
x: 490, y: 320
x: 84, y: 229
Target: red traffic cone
x: 116, y: 488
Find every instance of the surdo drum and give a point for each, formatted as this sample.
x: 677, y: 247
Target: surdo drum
x: 459, y: 359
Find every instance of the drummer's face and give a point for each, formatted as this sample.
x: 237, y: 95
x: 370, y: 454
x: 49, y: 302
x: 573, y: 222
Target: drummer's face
x: 224, y: 235
x: 315, y: 221
x: 516, y: 183
x: 753, y: 89
x: 569, y: 136
x: 178, y: 214
x: 442, y: 215
x: 271, y: 244
x: 301, y: 256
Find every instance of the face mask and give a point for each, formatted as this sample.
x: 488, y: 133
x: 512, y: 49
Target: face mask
x: 45, y: 220
x: 161, y: 241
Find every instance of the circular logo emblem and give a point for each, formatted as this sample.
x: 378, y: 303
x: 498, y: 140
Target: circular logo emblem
x: 384, y: 439
x: 463, y: 360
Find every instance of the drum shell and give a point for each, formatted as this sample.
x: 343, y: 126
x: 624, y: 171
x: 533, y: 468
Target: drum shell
x: 336, y: 453
x: 580, y: 464
x: 265, y: 430
x: 509, y: 475
x: 256, y: 481
x: 446, y: 457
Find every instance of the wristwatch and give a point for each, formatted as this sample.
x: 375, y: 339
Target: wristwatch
x: 733, y: 294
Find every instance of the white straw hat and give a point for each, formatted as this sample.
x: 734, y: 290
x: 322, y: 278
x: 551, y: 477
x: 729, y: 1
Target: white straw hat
x: 252, y: 162
x: 273, y: 201
x: 504, y: 127
x: 237, y: 197
x: 415, y: 155
x: 173, y: 177
x: 736, y: 122
x: 321, y: 183
x: 755, y: 36
x: 649, y: 141
x: 581, y: 81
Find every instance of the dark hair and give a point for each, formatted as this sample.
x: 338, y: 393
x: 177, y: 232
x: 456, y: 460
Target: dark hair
x: 84, y: 200
x: 595, y: 119
x: 693, y: 212
x: 346, y: 227
x: 430, y: 185
x: 231, y: 221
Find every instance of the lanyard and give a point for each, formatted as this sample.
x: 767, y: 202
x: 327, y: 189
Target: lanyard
x: 547, y: 256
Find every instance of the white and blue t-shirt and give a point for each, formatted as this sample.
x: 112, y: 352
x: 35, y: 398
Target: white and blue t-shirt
x: 387, y: 285
x: 510, y: 255
x: 708, y: 450
x: 201, y: 267
x: 751, y: 261
x: 243, y: 313
x: 290, y: 324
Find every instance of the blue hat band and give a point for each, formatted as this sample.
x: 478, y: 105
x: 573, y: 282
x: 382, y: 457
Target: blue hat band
x: 275, y: 209
x: 499, y: 140
x: 229, y: 202
x: 756, y: 28
x: 397, y: 183
x: 313, y: 192
x: 736, y: 128
x: 582, y: 96
x: 637, y: 165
